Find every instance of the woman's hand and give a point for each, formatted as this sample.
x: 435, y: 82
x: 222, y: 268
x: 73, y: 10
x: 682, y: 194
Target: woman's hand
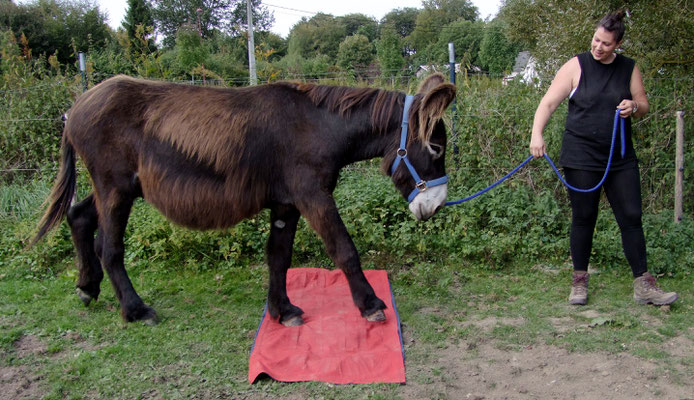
x: 627, y: 108
x: 537, y: 146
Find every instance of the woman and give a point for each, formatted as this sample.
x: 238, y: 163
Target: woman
x: 597, y: 83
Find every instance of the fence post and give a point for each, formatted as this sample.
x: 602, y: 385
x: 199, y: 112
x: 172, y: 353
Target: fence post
x: 679, y: 167
x: 83, y: 70
x: 451, y: 63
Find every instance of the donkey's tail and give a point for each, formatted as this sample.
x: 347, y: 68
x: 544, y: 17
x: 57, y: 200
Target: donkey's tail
x: 61, y: 194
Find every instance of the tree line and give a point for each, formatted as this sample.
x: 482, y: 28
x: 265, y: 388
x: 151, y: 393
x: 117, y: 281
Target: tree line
x: 186, y: 38
x: 176, y: 39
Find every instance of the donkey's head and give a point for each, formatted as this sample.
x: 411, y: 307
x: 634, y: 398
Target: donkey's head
x: 418, y: 169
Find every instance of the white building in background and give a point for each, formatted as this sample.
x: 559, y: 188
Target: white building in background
x: 525, y: 69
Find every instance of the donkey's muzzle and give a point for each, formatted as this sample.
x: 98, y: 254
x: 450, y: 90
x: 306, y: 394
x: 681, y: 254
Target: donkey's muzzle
x: 429, y: 202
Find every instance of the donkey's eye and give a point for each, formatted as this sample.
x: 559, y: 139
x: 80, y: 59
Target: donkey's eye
x: 436, y: 150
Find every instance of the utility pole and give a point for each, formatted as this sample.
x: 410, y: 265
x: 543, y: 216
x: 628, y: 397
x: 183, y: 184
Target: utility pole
x: 198, y: 12
x: 251, y: 45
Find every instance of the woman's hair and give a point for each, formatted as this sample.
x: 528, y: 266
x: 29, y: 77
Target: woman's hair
x: 614, y: 23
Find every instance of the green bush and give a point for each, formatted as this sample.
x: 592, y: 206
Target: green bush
x: 524, y: 220
x: 33, y: 99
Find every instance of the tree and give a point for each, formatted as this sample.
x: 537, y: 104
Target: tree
x: 215, y: 15
x: 262, y: 18
x: 389, y: 51
x: 138, y: 13
x: 355, y: 53
x: 466, y: 37
x: 431, y: 20
x: 658, y: 32
x: 453, y: 9
x: 272, y: 43
x: 402, y: 20
x: 497, y: 53
x: 191, y: 50
x: 58, y: 28
x: 322, y: 34
x: 361, y: 24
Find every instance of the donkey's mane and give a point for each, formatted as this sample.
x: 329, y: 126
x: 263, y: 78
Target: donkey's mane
x: 385, y: 106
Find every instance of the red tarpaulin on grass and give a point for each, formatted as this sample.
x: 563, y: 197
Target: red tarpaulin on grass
x: 335, y: 344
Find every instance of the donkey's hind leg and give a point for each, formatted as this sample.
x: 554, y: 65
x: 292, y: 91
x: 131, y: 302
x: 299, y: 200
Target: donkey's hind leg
x: 115, y: 210
x: 279, y: 257
x: 83, y: 221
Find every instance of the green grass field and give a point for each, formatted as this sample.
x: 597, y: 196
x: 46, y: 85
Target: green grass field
x: 209, y: 318
x: 470, y: 327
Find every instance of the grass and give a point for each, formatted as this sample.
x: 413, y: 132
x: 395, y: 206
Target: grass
x: 209, y: 318
x: 210, y: 309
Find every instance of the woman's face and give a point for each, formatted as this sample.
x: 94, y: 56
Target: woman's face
x: 603, y: 45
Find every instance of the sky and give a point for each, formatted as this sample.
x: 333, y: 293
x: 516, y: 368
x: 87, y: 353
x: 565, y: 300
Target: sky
x: 289, y: 12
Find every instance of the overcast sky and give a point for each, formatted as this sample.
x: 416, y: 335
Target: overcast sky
x: 289, y: 12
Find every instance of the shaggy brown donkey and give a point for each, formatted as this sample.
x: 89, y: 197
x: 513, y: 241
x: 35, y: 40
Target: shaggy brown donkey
x: 209, y: 157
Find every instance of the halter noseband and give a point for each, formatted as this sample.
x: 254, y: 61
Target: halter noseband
x: 420, y: 185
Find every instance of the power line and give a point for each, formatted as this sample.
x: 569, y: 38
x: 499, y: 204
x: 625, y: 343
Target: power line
x: 291, y: 9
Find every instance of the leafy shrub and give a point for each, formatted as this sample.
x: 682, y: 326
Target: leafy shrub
x: 33, y: 101
x: 525, y: 220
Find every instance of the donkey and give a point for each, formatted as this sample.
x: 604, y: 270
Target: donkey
x: 208, y: 158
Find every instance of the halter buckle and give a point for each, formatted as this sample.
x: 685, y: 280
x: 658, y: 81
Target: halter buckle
x: 422, y: 186
x: 402, y: 153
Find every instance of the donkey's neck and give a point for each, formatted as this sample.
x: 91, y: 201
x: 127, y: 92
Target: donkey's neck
x: 365, y: 141
x: 371, y: 146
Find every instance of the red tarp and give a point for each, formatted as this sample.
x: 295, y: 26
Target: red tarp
x: 335, y: 344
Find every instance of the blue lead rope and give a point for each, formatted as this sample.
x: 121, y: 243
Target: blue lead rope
x: 497, y: 183
x: 551, y: 163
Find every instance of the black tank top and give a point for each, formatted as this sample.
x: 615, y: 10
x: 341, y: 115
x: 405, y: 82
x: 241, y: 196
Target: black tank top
x: 588, y: 128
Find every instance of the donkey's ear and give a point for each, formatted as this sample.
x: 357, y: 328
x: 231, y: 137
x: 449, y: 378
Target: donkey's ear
x: 433, y: 106
x: 430, y: 82
x: 437, y: 99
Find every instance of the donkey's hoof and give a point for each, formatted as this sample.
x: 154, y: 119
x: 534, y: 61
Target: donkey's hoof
x: 86, y: 298
x: 378, y: 316
x: 293, y: 321
x: 150, y: 321
x: 149, y: 317
x: 143, y: 314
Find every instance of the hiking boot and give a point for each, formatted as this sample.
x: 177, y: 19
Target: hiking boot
x: 646, y: 291
x: 579, y: 288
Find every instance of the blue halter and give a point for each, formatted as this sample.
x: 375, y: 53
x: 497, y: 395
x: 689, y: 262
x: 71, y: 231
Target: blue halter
x: 420, y: 185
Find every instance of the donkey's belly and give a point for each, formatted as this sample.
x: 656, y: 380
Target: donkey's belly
x: 200, y: 203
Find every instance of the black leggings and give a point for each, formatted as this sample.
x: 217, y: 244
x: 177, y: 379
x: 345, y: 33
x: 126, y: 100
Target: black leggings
x: 623, y: 190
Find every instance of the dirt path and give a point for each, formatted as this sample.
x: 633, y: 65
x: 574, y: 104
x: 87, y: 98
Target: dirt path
x: 544, y: 372
x: 483, y: 370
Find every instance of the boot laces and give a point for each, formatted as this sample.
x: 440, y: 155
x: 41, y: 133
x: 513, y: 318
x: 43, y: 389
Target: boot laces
x: 649, y: 283
x: 580, y: 280
x: 579, y: 285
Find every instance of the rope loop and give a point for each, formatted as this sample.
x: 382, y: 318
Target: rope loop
x: 617, y: 121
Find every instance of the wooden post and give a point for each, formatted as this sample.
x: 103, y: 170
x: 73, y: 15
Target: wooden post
x: 679, y: 167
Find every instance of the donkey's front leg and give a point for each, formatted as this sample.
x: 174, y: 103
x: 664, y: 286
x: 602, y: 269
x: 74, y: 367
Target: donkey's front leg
x: 324, y: 218
x: 283, y: 221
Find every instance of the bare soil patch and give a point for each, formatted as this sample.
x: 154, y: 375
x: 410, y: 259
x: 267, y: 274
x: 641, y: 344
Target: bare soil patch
x: 484, y: 371
x: 18, y: 381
